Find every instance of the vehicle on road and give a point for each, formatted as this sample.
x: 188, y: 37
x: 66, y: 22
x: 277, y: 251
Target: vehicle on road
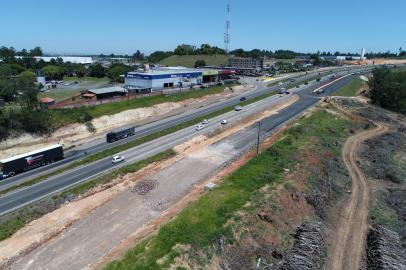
x: 280, y: 83
x: 243, y: 99
x: 24, y: 162
x: 292, y: 80
x: 238, y: 108
x: 120, y: 134
x: 117, y: 159
x: 205, y: 122
x: 224, y: 122
x: 199, y: 127
x: 282, y: 91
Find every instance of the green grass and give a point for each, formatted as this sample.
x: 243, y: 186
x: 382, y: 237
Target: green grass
x: 123, y: 147
x: 189, y: 60
x: 203, y: 222
x: 351, y: 89
x: 68, y: 116
x: 11, y: 226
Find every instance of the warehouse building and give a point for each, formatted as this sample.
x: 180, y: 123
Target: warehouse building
x: 104, y: 93
x: 160, y: 79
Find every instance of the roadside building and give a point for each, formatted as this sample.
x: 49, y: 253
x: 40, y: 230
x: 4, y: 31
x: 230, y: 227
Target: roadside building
x: 104, y: 93
x: 46, y: 102
x: 247, y: 62
x: 160, y: 79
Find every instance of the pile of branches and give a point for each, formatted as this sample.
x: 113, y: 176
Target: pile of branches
x: 384, y: 250
x: 307, y: 249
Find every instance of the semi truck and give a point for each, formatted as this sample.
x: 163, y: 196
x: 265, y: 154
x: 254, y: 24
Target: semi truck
x: 120, y: 134
x: 27, y: 161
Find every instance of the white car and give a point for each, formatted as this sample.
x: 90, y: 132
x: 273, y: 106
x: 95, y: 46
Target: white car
x: 238, y: 108
x: 224, y: 122
x: 205, y: 122
x: 199, y: 127
x: 117, y: 159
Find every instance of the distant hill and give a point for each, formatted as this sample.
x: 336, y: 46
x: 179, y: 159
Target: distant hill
x: 189, y: 60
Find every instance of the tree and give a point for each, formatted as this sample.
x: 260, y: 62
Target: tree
x: 96, y: 70
x: 27, y: 89
x: 185, y: 49
x: 316, y: 59
x: 200, y: 63
x: 37, y: 51
x: 53, y: 72
x: 388, y: 89
x: 115, y: 70
x: 138, y: 56
x: 157, y: 56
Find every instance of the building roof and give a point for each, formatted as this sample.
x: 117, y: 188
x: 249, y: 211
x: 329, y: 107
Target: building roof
x: 166, y: 71
x: 47, y: 100
x: 30, y: 153
x: 107, y: 90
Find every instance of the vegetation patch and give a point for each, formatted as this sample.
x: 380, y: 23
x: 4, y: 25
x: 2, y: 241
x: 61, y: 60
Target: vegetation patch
x: 351, y: 89
x: 205, y: 223
x: 190, y: 60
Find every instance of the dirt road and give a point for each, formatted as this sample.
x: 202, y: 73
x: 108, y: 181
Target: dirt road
x: 352, y: 226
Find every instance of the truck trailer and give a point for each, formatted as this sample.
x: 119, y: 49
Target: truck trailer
x: 24, y: 162
x: 120, y: 134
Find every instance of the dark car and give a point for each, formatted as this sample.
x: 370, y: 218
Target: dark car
x: 243, y: 99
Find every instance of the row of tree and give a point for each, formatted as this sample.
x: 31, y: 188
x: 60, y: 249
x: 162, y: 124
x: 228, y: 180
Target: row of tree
x: 388, y: 89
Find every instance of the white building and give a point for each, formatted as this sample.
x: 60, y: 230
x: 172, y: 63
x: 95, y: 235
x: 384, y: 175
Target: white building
x: 155, y: 80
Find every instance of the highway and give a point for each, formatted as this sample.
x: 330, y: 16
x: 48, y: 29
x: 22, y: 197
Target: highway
x: 19, y: 198
x: 100, y: 145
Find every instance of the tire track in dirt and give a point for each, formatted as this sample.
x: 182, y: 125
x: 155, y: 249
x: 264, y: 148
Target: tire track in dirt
x: 352, y: 226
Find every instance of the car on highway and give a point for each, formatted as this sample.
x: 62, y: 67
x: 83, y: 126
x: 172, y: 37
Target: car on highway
x: 199, y: 127
x: 205, y: 122
x: 238, y: 108
x: 292, y: 80
x: 243, y: 99
x: 224, y: 122
x: 117, y: 159
x: 280, y: 84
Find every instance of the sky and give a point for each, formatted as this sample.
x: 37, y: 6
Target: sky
x: 123, y: 26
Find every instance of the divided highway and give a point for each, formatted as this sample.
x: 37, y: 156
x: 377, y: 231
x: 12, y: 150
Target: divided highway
x: 19, y: 198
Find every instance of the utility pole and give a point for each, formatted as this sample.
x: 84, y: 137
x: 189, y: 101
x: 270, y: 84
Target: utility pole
x: 259, y: 131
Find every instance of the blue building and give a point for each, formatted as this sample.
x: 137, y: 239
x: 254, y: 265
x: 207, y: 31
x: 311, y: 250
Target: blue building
x: 157, y: 80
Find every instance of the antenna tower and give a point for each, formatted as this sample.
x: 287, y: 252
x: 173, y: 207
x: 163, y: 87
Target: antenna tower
x: 228, y: 25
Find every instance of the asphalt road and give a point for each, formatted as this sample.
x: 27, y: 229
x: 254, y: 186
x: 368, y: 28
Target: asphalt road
x: 100, y: 145
x: 19, y: 198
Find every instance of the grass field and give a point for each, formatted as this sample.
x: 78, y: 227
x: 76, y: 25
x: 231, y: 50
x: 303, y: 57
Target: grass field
x: 351, y: 89
x: 189, y: 60
x: 64, y: 92
x: 203, y: 222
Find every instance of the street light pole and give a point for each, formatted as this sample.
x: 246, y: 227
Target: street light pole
x: 259, y: 131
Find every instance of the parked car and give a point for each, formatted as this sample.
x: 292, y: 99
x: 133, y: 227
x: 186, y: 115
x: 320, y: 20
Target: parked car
x: 199, y: 127
x: 224, y: 122
x: 205, y: 122
x: 117, y: 159
x: 238, y: 108
x: 243, y: 99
